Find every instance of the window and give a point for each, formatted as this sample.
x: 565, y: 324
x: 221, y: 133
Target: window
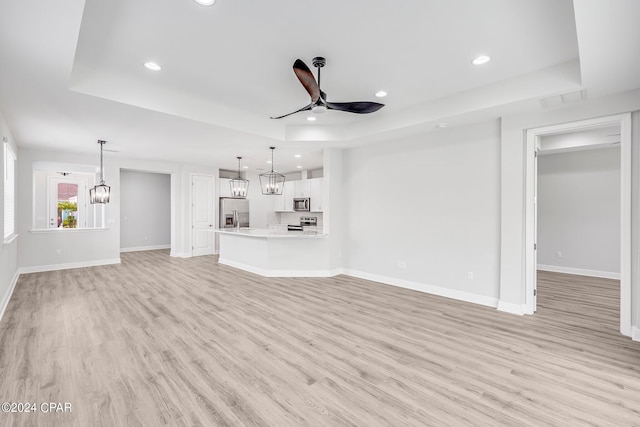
x: 61, y: 197
x: 9, y: 191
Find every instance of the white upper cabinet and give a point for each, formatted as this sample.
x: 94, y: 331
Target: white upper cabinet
x: 284, y: 201
x: 224, y: 188
x: 311, y: 188
x: 301, y: 188
x: 315, y: 193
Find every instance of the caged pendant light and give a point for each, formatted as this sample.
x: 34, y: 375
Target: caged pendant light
x: 239, y: 186
x: 272, y: 182
x: 101, y: 192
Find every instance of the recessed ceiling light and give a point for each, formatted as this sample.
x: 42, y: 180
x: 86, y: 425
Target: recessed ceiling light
x: 482, y: 59
x: 205, y: 2
x: 297, y: 156
x: 311, y: 119
x: 152, y: 66
x: 441, y: 125
x: 381, y: 94
x: 269, y: 161
x: 245, y: 167
x: 299, y: 167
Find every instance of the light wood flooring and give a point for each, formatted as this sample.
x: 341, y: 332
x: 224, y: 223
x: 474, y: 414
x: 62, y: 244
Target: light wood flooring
x: 160, y: 341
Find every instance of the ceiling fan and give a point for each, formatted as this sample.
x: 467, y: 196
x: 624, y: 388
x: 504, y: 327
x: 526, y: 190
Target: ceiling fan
x: 319, y: 102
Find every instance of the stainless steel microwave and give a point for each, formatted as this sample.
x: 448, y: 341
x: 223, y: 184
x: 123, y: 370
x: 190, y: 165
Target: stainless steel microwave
x: 302, y: 205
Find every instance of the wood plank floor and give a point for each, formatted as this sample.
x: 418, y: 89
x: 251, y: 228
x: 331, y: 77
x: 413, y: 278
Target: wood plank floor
x: 161, y: 341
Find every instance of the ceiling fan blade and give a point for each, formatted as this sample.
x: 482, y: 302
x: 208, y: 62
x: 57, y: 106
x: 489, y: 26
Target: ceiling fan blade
x: 308, y: 107
x: 355, y: 107
x: 305, y: 76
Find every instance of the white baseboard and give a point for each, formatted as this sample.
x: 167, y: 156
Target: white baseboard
x: 579, y: 271
x: 422, y: 287
x: 7, y: 297
x: 635, y: 333
x: 145, y: 248
x: 512, y: 308
x: 54, y: 267
x: 177, y: 254
x: 279, y: 273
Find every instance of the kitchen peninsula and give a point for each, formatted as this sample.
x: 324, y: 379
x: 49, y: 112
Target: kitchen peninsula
x: 275, y: 253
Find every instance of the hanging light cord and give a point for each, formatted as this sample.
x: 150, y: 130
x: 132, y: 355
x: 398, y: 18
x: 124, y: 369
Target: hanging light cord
x: 101, y: 170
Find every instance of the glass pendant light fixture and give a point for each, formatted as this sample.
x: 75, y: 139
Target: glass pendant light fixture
x: 272, y: 182
x: 101, y: 192
x: 239, y: 186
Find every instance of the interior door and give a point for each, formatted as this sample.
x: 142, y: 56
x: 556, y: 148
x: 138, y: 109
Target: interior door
x: 202, y: 215
x: 67, y: 204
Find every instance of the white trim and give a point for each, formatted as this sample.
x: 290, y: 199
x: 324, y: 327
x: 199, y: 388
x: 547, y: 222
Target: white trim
x: 66, y: 230
x: 279, y: 273
x: 624, y: 121
x: 10, y: 239
x: 7, y: 297
x: 177, y: 254
x: 579, y: 271
x: 422, y: 287
x: 635, y: 333
x: 145, y: 248
x: 512, y: 308
x: 54, y: 267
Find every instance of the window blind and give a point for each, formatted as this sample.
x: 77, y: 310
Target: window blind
x: 9, y: 190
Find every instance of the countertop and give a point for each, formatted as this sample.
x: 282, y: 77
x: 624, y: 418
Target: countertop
x: 272, y: 233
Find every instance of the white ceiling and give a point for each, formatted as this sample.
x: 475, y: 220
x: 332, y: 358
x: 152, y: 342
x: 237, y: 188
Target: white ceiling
x: 72, y: 71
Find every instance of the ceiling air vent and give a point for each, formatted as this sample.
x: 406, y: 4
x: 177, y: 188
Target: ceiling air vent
x: 564, y: 98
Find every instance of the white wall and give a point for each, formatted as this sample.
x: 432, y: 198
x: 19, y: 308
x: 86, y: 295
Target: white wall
x: 145, y: 213
x: 8, y: 251
x: 579, y: 211
x: 431, y: 201
x: 39, y: 251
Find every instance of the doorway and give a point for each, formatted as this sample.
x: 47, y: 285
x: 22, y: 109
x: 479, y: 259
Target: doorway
x: 534, y: 146
x: 145, y: 210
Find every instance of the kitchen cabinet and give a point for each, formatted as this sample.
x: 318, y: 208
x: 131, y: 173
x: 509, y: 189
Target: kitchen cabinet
x: 224, y: 187
x: 284, y: 201
x: 301, y: 188
x: 315, y: 193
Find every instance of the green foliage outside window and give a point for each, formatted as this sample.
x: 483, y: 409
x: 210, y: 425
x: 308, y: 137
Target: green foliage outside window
x: 66, y: 209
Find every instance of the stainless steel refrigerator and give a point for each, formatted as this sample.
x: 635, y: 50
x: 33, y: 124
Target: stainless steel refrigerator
x: 227, y: 217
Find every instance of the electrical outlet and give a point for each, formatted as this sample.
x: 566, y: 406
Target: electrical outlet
x: 146, y: 238
x: 58, y: 251
x: 402, y: 264
x: 558, y: 254
x: 470, y: 275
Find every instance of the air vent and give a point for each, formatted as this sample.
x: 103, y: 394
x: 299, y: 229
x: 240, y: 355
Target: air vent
x: 563, y: 98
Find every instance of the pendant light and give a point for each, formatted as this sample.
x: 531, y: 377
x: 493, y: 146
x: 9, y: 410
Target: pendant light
x: 101, y: 192
x: 239, y: 186
x: 272, y: 182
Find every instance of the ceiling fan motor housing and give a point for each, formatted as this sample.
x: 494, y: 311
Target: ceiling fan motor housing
x: 319, y: 62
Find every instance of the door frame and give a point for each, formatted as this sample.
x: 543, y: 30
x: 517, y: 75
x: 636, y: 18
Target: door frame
x: 214, y: 210
x: 532, y: 142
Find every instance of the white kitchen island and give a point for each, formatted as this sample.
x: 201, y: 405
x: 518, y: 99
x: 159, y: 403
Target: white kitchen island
x: 275, y: 253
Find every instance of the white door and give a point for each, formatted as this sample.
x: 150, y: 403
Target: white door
x: 67, y: 206
x: 202, y: 215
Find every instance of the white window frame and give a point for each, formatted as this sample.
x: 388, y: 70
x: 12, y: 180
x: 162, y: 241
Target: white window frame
x: 9, y: 192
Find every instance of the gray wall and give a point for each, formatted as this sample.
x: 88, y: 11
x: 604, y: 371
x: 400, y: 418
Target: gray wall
x: 145, y: 213
x: 579, y: 210
x: 431, y: 201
